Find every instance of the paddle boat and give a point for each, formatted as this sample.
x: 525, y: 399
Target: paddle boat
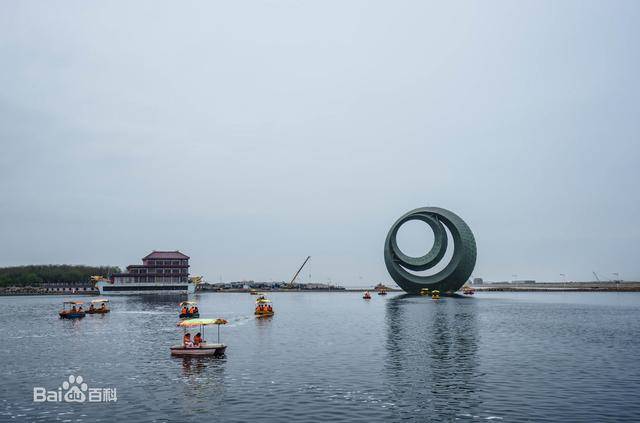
x: 189, y: 310
x: 366, y: 295
x: 263, y: 307
x: 424, y: 291
x: 435, y: 294
x: 467, y: 290
x: 382, y: 292
x: 72, y: 310
x: 193, y: 347
x: 99, y: 306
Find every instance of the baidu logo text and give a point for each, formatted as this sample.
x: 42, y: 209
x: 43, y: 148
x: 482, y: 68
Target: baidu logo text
x: 74, y: 390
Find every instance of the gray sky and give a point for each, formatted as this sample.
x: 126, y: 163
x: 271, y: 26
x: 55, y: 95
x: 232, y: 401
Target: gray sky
x: 251, y: 134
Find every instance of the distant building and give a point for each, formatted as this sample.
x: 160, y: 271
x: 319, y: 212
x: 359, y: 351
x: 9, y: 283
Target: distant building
x: 157, y: 267
x: 68, y: 287
x: 524, y: 282
x: 478, y: 281
x: 160, y: 272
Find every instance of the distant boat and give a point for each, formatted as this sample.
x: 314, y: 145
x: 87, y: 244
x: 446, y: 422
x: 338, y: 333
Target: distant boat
x: 72, y: 312
x: 467, y: 290
x: 190, y: 310
x: 366, y: 296
x: 263, y: 307
x: 102, y: 309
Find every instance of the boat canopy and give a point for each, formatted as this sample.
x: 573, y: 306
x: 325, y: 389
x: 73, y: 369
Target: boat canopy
x: 201, y: 322
x: 187, y: 303
x: 74, y: 302
x: 263, y: 300
x: 100, y: 300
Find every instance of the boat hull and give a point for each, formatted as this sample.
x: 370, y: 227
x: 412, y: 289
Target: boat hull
x: 97, y: 311
x: 72, y: 315
x: 265, y: 314
x: 206, y: 350
x: 189, y: 316
x: 107, y: 288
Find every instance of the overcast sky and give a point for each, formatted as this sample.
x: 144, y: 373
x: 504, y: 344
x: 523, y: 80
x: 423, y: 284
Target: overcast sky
x: 252, y: 134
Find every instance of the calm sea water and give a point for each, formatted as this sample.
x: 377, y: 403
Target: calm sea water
x: 334, y: 357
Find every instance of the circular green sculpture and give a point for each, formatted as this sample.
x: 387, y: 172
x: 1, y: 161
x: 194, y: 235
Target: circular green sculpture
x: 454, y: 274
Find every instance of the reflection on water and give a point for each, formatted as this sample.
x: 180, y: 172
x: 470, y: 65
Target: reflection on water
x: 263, y: 322
x: 202, y: 383
x: 434, y: 344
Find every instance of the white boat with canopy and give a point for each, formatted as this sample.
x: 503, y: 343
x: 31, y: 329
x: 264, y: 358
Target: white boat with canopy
x: 192, y: 347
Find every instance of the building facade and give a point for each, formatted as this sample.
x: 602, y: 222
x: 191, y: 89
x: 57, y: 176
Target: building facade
x: 161, y: 272
x: 158, y: 267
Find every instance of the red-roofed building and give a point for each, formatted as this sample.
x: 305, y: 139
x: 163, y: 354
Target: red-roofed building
x: 160, y: 271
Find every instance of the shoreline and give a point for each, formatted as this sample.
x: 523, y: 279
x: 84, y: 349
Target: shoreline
x: 550, y: 287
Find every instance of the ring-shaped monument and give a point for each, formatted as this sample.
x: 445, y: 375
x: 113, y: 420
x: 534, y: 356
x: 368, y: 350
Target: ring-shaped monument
x: 454, y: 274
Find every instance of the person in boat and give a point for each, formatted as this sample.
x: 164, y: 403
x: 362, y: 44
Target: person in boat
x: 186, y: 340
x: 197, y: 340
x: 184, y: 311
x: 102, y: 307
x: 195, y: 310
x: 80, y: 310
x: 73, y: 310
x: 269, y: 308
x: 91, y: 307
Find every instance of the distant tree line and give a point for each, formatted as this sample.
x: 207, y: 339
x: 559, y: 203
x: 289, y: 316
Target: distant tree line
x: 38, y: 274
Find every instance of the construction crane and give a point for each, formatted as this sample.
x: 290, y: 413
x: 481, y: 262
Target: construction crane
x: 608, y: 280
x: 290, y: 284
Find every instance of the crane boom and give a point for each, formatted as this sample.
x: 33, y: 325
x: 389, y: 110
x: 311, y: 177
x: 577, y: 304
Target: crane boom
x: 290, y: 285
x: 597, y: 278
